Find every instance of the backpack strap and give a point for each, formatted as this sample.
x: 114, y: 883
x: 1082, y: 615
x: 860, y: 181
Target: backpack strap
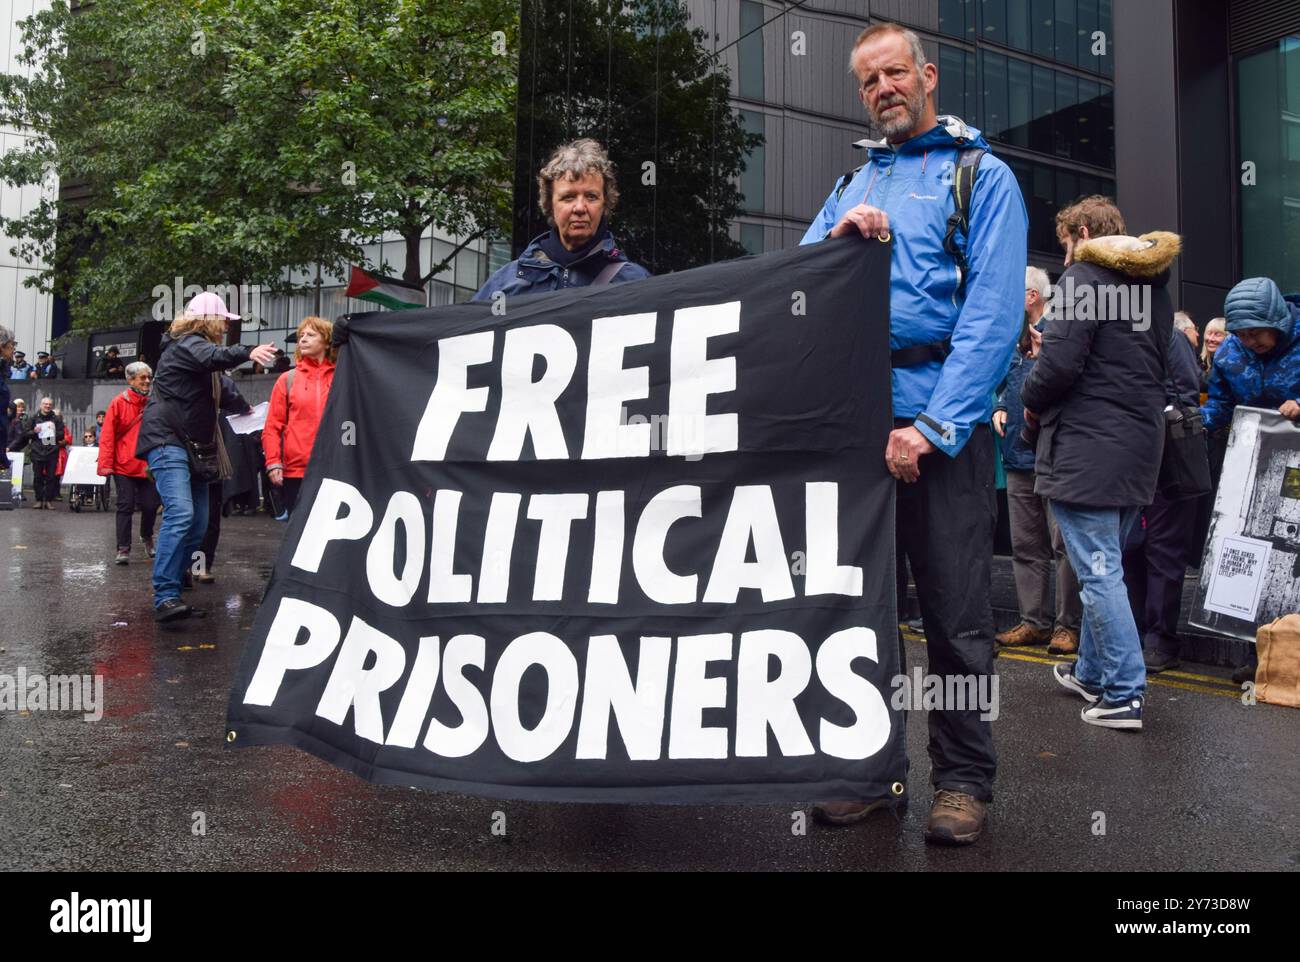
x: 608, y: 273
x: 846, y: 178
x: 288, y: 402
x: 963, y: 188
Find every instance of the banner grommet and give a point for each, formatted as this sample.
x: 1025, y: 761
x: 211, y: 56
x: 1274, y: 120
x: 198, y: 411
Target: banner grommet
x: 230, y: 735
x: 897, y: 788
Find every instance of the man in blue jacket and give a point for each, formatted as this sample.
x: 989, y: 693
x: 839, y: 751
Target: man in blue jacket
x: 577, y: 190
x: 952, y: 332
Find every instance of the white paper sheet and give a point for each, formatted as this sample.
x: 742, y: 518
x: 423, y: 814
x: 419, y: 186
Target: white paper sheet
x: 248, y: 423
x: 1238, y: 576
x: 83, y: 466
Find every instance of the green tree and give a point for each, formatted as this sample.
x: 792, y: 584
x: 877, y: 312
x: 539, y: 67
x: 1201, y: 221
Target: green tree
x: 225, y: 141
x: 639, y: 79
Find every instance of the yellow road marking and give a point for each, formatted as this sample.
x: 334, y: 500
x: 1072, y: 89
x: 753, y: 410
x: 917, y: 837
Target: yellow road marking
x: 1211, y: 684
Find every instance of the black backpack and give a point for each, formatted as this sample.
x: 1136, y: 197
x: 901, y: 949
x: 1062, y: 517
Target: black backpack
x: 963, y: 189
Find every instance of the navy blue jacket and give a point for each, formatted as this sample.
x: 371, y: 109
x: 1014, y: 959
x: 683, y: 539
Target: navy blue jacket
x: 535, y: 273
x: 1016, y: 455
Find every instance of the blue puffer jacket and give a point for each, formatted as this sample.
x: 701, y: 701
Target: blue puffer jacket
x: 534, y: 272
x: 1016, y: 455
x: 1240, y: 376
x: 912, y: 184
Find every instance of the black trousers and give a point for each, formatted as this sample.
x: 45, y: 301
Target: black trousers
x: 44, y: 481
x: 289, y: 492
x: 133, y: 493
x: 210, y: 537
x: 1154, y: 570
x: 945, y: 524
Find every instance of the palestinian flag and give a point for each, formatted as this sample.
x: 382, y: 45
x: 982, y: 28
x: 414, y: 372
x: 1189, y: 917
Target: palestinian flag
x: 396, y: 294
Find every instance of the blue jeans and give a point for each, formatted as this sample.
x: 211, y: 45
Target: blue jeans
x: 184, y: 520
x: 1110, y: 651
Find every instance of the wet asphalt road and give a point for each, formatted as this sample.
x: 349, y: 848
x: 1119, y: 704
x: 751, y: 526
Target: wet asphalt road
x: 1210, y: 784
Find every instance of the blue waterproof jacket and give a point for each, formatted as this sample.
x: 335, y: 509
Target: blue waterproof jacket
x: 533, y: 272
x: 1240, y: 376
x: 913, y: 185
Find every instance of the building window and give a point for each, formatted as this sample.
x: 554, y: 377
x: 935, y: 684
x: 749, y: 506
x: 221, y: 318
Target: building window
x: 994, y: 120
x: 957, y: 83
x: 1042, y: 17
x: 957, y: 18
x: 753, y: 179
x: 1067, y: 41
x: 751, y: 238
x: 751, y: 50
x: 1268, y: 111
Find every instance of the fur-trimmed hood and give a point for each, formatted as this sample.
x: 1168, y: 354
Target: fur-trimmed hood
x: 1147, y: 256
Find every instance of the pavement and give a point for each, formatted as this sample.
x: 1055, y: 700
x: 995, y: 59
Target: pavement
x: 1210, y: 783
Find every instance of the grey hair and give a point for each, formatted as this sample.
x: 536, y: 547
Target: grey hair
x: 1183, y: 321
x: 913, y: 41
x: 6, y: 335
x: 577, y: 159
x: 1036, y: 279
x: 137, y: 367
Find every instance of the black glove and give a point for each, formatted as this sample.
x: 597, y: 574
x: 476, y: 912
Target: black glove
x: 339, y: 336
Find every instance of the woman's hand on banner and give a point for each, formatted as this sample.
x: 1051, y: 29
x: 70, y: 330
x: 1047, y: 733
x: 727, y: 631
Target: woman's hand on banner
x: 339, y: 332
x: 867, y: 220
x: 1290, y: 410
x: 276, y: 475
x: 904, y: 451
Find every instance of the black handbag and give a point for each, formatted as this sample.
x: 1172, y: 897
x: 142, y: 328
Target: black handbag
x: 208, y: 461
x: 1185, y: 466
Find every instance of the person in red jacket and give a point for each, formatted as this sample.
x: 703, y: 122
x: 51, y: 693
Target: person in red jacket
x: 117, y: 438
x: 297, y: 403
x: 62, y: 464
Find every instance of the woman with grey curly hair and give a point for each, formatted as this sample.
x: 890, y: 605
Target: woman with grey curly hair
x: 577, y: 190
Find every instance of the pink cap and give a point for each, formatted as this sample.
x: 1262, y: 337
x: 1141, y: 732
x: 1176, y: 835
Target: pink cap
x: 208, y: 304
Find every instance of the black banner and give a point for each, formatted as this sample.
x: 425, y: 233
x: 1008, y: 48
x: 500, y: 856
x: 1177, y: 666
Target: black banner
x: 632, y: 543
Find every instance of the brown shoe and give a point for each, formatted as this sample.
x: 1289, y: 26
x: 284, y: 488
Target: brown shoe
x: 955, y: 818
x: 846, y: 813
x: 1022, y: 636
x: 1064, y: 642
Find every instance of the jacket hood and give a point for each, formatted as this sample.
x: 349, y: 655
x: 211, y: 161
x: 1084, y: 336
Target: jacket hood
x: 1257, y: 302
x: 1147, y: 256
x: 950, y: 132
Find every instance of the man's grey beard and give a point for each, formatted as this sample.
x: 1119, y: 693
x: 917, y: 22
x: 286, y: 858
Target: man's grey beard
x: 913, y: 110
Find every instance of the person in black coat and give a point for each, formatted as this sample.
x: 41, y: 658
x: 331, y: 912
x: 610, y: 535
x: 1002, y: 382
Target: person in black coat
x: 43, y: 435
x: 1097, y: 396
x: 232, y: 402
x: 182, y: 409
x: 1155, y: 562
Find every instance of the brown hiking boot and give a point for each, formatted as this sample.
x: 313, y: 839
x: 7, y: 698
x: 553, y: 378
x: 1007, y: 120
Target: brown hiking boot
x: 1064, y: 642
x: 955, y: 818
x: 1022, y: 636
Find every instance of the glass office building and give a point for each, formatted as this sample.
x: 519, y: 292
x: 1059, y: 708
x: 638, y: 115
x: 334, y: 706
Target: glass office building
x: 1035, y: 75
x: 1268, y: 142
